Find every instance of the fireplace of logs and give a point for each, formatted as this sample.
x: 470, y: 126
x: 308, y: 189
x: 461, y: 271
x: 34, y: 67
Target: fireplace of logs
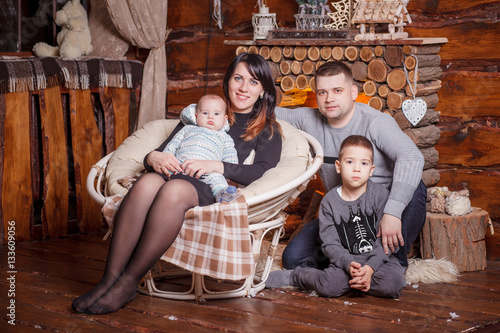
x: 379, y: 74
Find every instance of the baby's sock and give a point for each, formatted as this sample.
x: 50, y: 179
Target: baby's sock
x: 278, y: 279
x: 226, y: 194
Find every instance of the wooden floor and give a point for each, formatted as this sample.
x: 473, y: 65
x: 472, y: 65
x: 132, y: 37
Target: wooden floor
x: 49, y: 274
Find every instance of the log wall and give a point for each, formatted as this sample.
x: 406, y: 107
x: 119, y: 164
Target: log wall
x: 469, y: 149
x: 468, y: 100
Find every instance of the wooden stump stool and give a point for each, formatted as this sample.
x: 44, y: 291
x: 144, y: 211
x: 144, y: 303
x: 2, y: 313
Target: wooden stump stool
x: 461, y: 239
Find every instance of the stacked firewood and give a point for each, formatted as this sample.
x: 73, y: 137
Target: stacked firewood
x: 379, y: 73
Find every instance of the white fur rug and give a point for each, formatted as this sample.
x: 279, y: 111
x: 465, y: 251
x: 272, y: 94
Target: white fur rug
x: 428, y: 271
x: 431, y: 271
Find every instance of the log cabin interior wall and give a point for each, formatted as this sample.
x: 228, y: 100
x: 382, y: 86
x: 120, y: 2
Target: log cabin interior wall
x: 468, y: 101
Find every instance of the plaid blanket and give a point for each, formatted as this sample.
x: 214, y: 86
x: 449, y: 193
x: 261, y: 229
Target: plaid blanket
x: 28, y: 74
x: 214, y: 240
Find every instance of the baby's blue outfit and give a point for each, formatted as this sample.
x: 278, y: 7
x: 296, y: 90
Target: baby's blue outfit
x: 200, y: 143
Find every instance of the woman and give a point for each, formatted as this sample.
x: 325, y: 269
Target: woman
x: 152, y: 213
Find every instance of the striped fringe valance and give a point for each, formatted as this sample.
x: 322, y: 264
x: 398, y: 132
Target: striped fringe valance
x: 29, y: 74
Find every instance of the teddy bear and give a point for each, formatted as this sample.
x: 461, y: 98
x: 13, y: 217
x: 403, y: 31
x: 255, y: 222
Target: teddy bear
x: 74, y: 38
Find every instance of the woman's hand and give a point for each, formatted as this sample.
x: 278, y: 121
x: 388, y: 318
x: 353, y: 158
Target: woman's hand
x: 197, y: 168
x: 164, y: 162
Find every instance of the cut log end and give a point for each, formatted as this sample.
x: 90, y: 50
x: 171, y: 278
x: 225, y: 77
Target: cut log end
x: 265, y: 52
x: 326, y: 52
x: 383, y: 91
x: 300, y: 53
x: 351, y: 53
x: 241, y: 49
x: 287, y: 83
x: 301, y: 82
x: 376, y: 102
x: 396, y: 79
x: 370, y: 88
x: 313, y: 53
x: 288, y: 52
x: 337, y: 53
x: 253, y: 49
x: 366, y: 53
x: 276, y: 54
x: 377, y: 70
x: 395, y: 100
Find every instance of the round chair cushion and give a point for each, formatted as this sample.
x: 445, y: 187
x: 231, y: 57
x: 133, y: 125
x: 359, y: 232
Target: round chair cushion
x: 127, y: 160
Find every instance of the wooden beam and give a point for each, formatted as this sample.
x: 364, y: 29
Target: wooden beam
x: 15, y: 165
x: 466, y: 86
x: 87, y: 150
x: 55, y: 161
x: 116, y: 105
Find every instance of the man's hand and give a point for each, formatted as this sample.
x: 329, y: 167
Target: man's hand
x: 390, y: 231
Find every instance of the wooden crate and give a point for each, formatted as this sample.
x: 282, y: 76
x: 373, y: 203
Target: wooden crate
x: 50, y: 136
x: 461, y: 239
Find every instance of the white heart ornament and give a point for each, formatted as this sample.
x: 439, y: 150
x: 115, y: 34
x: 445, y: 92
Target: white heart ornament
x: 414, y: 110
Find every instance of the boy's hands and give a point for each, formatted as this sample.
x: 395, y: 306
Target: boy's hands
x: 361, y: 276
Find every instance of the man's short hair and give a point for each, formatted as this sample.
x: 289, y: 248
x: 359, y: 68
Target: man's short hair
x: 355, y: 141
x: 332, y: 68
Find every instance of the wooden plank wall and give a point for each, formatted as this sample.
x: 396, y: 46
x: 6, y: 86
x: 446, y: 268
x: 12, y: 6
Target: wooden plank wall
x: 469, y: 101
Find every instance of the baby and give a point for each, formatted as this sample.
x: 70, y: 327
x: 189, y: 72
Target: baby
x: 204, y: 137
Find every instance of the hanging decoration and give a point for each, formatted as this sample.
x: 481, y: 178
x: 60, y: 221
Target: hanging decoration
x: 217, y: 14
x: 414, y: 109
x: 341, y: 17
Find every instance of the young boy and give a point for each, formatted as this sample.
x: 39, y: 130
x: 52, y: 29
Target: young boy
x: 349, y: 218
x: 204, y: 137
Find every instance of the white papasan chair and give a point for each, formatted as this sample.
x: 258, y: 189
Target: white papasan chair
x: 267, y: 197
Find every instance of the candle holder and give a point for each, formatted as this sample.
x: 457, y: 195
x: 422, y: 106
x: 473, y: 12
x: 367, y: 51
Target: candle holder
x: 263, y: 22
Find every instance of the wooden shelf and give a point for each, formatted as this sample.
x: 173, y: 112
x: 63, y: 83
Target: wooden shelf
x: 328, y: 42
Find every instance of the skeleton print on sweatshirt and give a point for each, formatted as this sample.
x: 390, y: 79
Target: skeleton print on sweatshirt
x: 349, y: 228
x: 358, y: 234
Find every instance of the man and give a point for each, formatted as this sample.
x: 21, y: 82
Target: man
x: 398, y: 163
